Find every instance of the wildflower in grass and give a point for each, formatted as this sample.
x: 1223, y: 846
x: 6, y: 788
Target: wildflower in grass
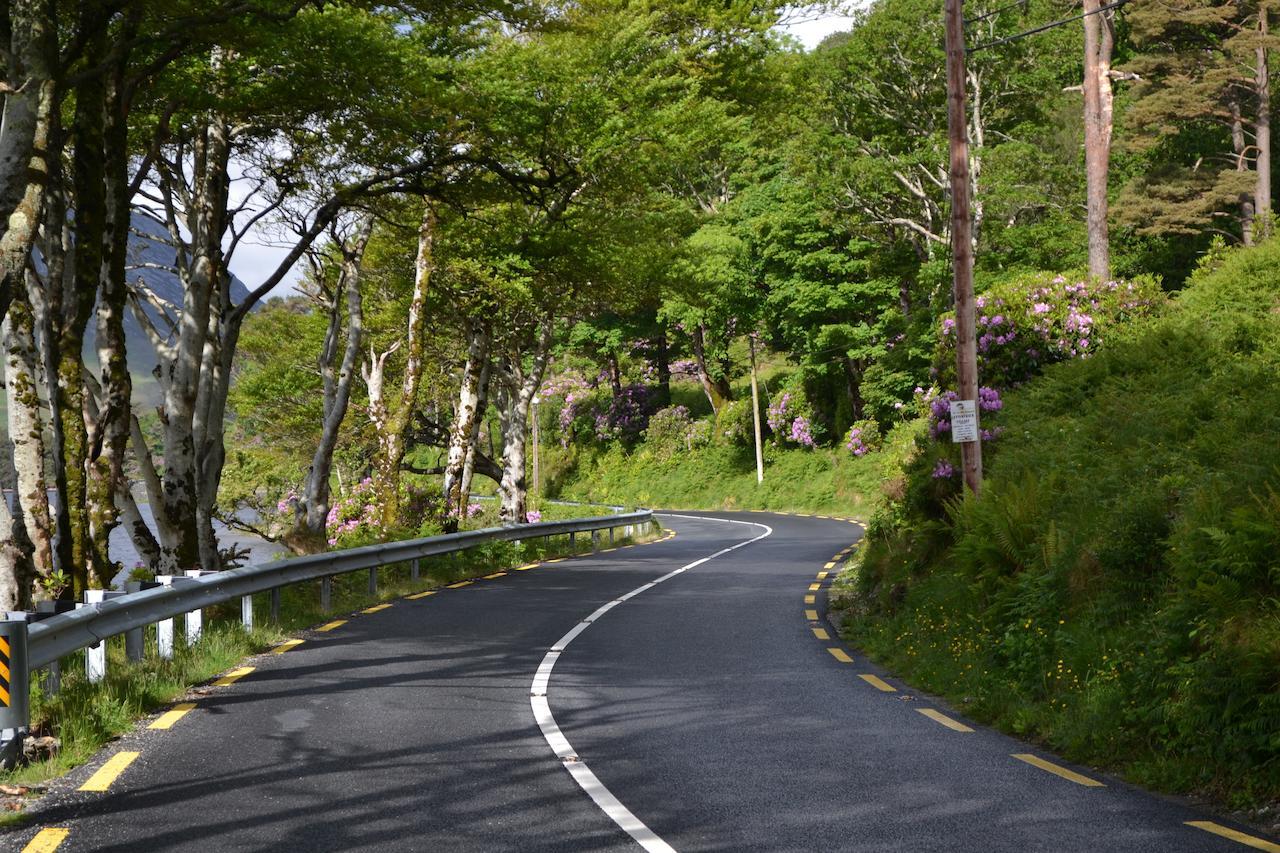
x: 533, y: 516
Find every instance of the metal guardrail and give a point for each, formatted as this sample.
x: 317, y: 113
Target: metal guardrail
x: 26, y: 645
x: 58, y: 636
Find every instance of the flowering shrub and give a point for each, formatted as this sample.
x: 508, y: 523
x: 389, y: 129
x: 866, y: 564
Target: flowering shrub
x: 1027, y: 323
x: 790, y: 419
x: 626, y: 416
x: 736, y: 424
x: 532, y: 516
x: 863, y: 437
x: 355, y: 515
x: 669, y: 430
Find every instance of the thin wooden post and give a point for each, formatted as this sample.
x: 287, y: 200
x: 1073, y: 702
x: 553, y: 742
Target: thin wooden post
x: 755, y: 410
x: 962, y: 235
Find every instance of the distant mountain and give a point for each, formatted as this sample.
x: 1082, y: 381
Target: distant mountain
x: 147, y: 245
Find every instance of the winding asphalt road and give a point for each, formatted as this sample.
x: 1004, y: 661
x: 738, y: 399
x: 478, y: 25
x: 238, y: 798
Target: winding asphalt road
x: 710, y: 711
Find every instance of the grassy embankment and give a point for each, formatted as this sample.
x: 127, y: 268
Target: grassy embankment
x: 85, y: 716
x: 722, y: 474
x: 1115, y: 591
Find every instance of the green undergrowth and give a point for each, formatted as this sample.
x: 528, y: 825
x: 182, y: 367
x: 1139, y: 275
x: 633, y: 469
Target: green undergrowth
x: 719, y: 476
x: 1115, y: 591
x: 86, y: 716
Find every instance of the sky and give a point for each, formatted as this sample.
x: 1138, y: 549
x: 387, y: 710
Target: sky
x: 254, y: 260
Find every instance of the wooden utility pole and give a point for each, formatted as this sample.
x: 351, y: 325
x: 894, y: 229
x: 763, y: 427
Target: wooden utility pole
x: 1099, y: 44
x: 537, y: 440
x: 755, y: 410
x: 962, y: 235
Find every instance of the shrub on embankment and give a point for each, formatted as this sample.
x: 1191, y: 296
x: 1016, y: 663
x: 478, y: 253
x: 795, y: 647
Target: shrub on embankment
x: 1115, y: 591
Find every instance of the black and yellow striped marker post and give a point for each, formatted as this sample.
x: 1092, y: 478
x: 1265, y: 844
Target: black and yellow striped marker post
x: 14, y: 693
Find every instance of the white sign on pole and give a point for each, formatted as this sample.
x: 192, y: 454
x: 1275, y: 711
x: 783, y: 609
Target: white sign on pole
x: 964, y: 421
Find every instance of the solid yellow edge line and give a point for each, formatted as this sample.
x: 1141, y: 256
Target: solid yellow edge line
x: 47, y: 840
x: 939, y: 717
x: 811, y: 615
x: 375, y: 608
x: 1069, y: 775
x: 422, y: 594
x: 285, y: 646
x: 459, y: 584
x: 821, y: 633
x: 168, y: 718
x: 840, y: 655
x: 1240, y: 837
x: 556, y: 560
x: 527, y: 567
x: 878, y: 683
x: 233, y: 676
x: 109, y: 772
x: 329, y: 626
x: 495, y: 575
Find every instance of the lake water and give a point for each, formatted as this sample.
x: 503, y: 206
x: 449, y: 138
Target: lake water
x: 122, y: 550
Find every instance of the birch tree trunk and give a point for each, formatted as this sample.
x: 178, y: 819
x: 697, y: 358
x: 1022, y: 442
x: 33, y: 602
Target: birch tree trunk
x: 27, y: 150
x: 518, y: 387
x: 26, y: 431
x: 1099, y: 42
x: 391, y: 424
x: 109, y: 436
x: 469, y: 464
x: 463, y: 432
x: 313, y: 506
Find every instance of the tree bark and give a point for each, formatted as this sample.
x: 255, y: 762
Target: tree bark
x: 392, y: 424
x: 1241, y: 150
x: 463, y: 432
x: 469, y: 464
x: 717, y: 389
x: 26, y: 431
x: 518, y: 385
x: 1262, y: 135
x: 313, y: 508
x: 1099, y: 42
x: 28, y: 145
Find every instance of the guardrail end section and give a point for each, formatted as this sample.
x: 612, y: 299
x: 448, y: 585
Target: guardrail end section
x: 14, y: 690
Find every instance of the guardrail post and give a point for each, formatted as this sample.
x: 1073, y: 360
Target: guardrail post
x: 134, y: 639
x: 275, y: 604
x: 246, y: 612
x: 628, y: 532
x: 413, y: 569
x: 14, y: 689
x: 164, y: 628
x: 573, y: 537
x: 95, y: 656
x: 595, y: 541
x: 195, y: 619
x: 373, y: 581
x: 52, y: 678
x: 610, y: 537
x: 326, y: 593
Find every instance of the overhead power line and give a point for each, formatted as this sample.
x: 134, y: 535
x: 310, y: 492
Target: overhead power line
x: 1044, y: 27
x: 1019, y: 4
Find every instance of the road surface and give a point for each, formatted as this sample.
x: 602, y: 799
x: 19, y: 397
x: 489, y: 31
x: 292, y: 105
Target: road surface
x: 580, y: 706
